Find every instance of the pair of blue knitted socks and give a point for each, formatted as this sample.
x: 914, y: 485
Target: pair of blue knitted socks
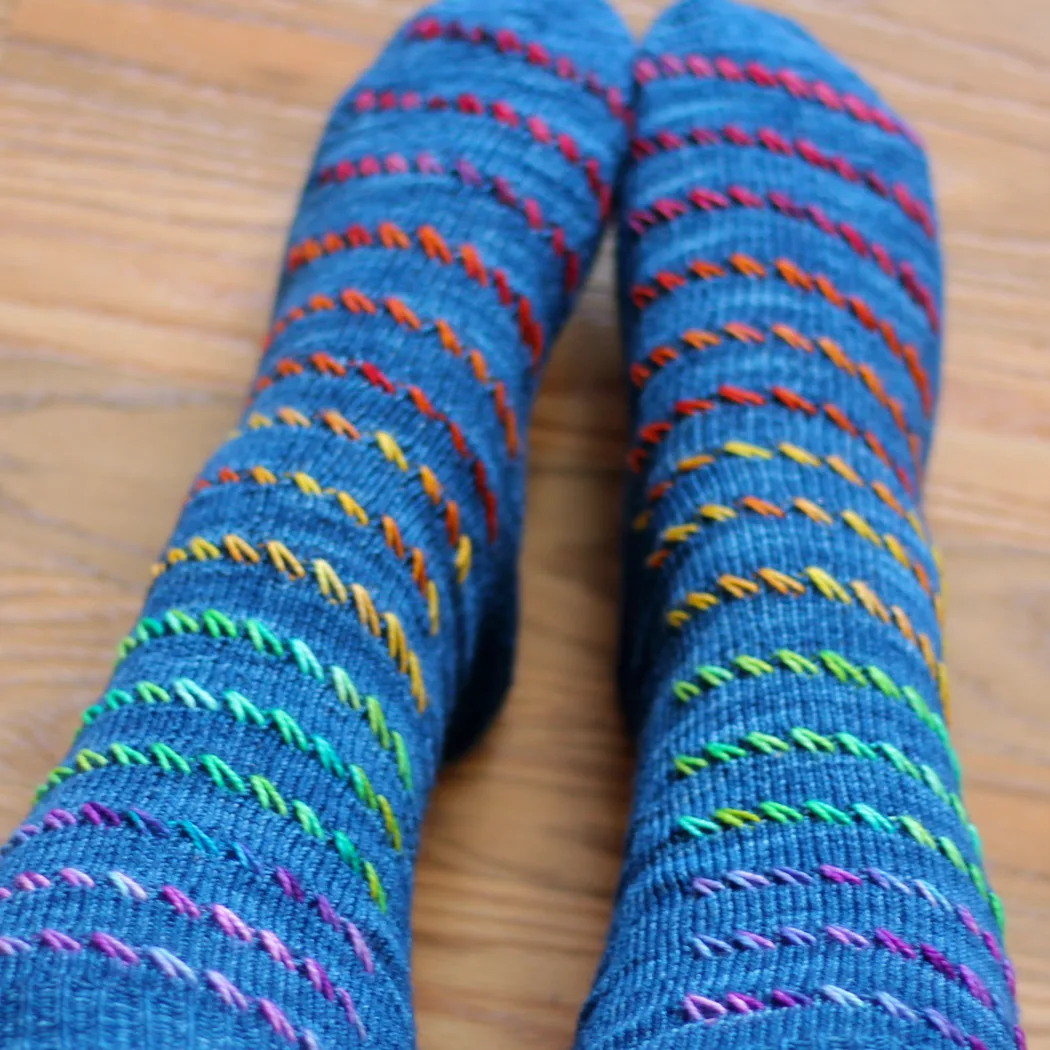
x: 224, y: 859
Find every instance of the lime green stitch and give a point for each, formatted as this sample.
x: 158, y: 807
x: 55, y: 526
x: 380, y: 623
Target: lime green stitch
x: 245, y: 712
x: 734, y: 819
x: 712, y: 676
x: 227, y: 779
x: 218, y: 625
x: 809, y: 740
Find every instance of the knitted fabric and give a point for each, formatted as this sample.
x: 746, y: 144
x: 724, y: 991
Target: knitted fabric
x: 224, y: 859
x: 800, y: 871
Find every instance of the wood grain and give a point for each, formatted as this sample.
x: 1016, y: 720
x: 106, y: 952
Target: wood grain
x: 150, y: 155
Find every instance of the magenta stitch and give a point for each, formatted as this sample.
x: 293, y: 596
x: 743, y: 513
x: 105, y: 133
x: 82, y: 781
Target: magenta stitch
x: 76, y: 877
x: 288, y: 883
x: 316, y: 975
x: 230, y: 994
x: 113, y: 948
x: 58, y: 941
x: 276, y: 1019
x: 30, y: 880
x: 58, y: 817
x: 350, y: 1010
x: 231, y: 924
x: 276, y: 949
x: 179, y: 901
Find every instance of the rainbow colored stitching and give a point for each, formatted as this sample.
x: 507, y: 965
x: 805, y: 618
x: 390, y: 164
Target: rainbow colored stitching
x: 748, y: 335
x: 327, y: 365
x: 703, y: 199
x: 741, y: 668
x: 228, y: 921
x: 824, y: 585
x: 700, y: 1008
x: 194, y: 696
x: 176, y: 969
x: 435, y: 247
x: 385, y: 101
x: 799, y: 738
x: 461, y: 169
x: 507, y: 42
x: 649, y: 68
x: 675, y: 535
x: 310, y: 486
x: 666, y: 281
x: 753, y: 880
x: 730, y: 819
x: 745, y: 450
x: 652, y: 434
x: 665, y: 140
x: 167, y: 759
x: 339, y: 425
x: 219, y: 626
x: 98, y: 815
x: 710, y: 947
x: 328, y: 583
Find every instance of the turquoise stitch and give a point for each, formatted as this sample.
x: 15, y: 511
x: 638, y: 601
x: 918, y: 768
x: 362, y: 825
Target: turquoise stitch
x: 218, y: 625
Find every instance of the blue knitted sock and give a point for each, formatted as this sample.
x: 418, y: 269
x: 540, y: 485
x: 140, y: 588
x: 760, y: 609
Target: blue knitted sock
x: 225, y: 858
x: 800, y: 871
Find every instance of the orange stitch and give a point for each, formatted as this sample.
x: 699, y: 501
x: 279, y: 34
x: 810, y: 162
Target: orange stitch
x: 644, y: 295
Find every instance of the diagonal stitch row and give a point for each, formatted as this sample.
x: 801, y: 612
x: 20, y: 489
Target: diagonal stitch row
x: 218, y: 625
x: 507, y: 42
x: 706, y: 200
x: 191, y: 694
x: 666, y: 281
x: 676, y: 535
x: 703, y: 67
x: 815, y: 581
x: 391, y: 237
x: 176, y: 969
x: 652, y: 434
x: 463, y: 171
x: 730, y: 819
x: 826, y: 662
x: 799, y: 738
x: 164, y: 757
x: 99, y: 815
x: 700, y: 1008
x: 749, y: 335
x: 224, y: 918
x: 711, y: 947
x: 325, y: 364
x: 276, y: 555
x: 371, y: 100
x: 666, y: 141
x: 387, y: 444
x: 745, y: 450
x: 413, y: 557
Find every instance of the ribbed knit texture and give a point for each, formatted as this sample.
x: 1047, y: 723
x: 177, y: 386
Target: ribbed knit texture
x: 224, y: 859
x: 800, y: 870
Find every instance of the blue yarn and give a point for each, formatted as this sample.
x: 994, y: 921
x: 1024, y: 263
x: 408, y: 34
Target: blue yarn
x: 280, y: 684
x: 706, y: 963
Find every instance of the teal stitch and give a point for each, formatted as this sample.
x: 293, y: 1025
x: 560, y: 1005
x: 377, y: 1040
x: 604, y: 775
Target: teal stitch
x: 219, y: 626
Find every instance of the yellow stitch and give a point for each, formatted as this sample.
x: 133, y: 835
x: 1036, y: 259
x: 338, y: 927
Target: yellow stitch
x: 462, y: 558
x: 432, y: 606
x: 397, y: 646
x: 203, y: 550
x: 176, y: 554
x: 943, y: 691
x: 328, y: 582
x: 239, y: 549
x: 701, y: 600
x: 391, y: 449
x: 306, y: 484
x: 284, y: 560
x: 292, y: 417
x: 749, y: 451
x: 870, y: 601
x: 157, y: 568
x: 351, y: 507
x: 900, y: 618
x: 431, y: 485
x: 716, y: 512
x: 926, y: 648
x: 263, y: 476
x: 938, y: 609
x: 781, y: 582
x: 894, y: 546
x: 916, y: 523
x: 862, y: 528
x: 828, y: 585
x: 844, y: 470
x: 812, y: 511
x: 366, y: 611
x: 257, y: 420
x: 676, y: 618
x: 678, y: 533
x: 738, y: 586
x: 938, y: 559
x: 415, y: 679
x: 694, y: 463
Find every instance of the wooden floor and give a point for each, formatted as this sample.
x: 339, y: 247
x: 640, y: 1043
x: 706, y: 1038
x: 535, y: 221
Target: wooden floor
x: 150, y: 154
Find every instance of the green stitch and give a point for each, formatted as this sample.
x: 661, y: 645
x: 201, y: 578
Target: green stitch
x: 128, y: 756
x: 192, y: 694
x: 224, y: 777
x: 220, y: 626
x: 711, y: 676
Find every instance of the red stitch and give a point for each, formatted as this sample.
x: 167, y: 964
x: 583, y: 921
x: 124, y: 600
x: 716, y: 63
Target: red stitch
x: 898, y: 194
x: 507, y: 42
x: 652, y: 434
x: 428, y: 164
x: 435, y: 247
x: 502, y: 113
x: 651, y: 68
x: 641, y: 220
x: 421, y: 403
x: 357, y: 303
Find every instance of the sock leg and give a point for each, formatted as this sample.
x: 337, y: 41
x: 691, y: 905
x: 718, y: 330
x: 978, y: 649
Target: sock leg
x: 800, y: 870
x: 225, y: 857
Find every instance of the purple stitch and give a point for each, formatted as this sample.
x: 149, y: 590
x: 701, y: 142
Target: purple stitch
x: 57, y: 818
x: 11, y: 945
x: 59, y: 942
x: 742, y: 1003
x: 974, y: 985
x: 707, y: 945
x: 895, y: 943
x: 707, y: 887
x: 276, y: 949
x: 944, y: 1026
x: 357, y: 940
x: 753, y: 941
x: 894, y: 1007
x: 247, y: 858
x: 230, y: 994
x: 792, y: 876
x: 848, y: 937
x: 111, y: 947
x: 315, y: 974
x: 840, y: 875
x: 351, y: 1011
x: 793, y: 935
x: 180, y: 902
x: 700, y: 1008
x: 276, y: 1019
x: 289, y: 884
x: 937, y: 960
x: 155, y: 826
x: 5, y: 893
x: 232, y: 925
x: 1020, y: 1038
x: 326, y: 911
x: 26, y: 831
x: 1011, y: 976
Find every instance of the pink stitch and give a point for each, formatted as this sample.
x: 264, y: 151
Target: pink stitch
x: 230, y: 994
x: 232, y: 925
x: 114, y: 949
x: 57, y: 818
x: 30, y: 880
x: 76, y: 877
x: 180, y: 902
x: 315, y: 974
x: 276, y: 1019
x: 59, y: 942
x: 276, y: 949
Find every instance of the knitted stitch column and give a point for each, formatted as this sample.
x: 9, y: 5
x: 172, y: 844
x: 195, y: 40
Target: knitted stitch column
x: 800, y: 869
x: 224, y: 859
